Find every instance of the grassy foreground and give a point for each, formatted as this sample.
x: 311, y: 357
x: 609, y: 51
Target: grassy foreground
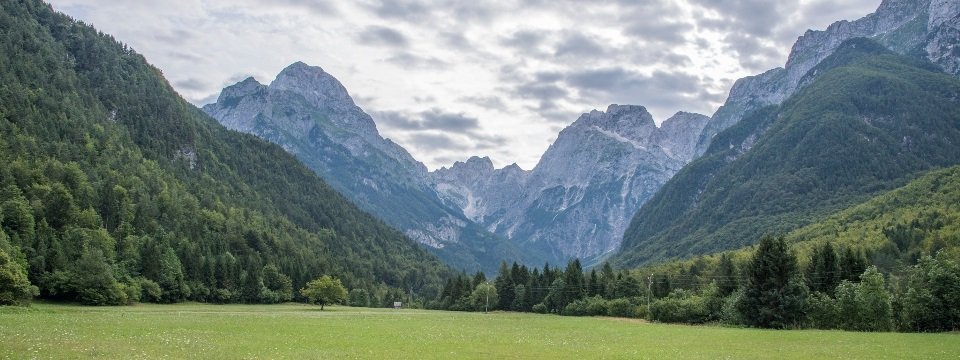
x: 301, y: 331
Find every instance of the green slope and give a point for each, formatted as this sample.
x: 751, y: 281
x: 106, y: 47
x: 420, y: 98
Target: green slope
x: 112, y: 182
x: 894, y: 229
x: 870, y: 121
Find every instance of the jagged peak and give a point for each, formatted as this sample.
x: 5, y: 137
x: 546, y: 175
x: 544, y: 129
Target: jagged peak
x: 243, y: 88
x: 314, y: 84
x: 301, y: 67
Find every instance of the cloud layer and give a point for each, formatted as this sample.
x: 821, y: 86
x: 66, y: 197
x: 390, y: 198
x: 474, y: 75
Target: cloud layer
x: 448, y: 79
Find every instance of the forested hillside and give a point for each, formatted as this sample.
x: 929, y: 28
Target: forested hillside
x: 889, y: 263
x: 868, y: 121
x: 114, y: 189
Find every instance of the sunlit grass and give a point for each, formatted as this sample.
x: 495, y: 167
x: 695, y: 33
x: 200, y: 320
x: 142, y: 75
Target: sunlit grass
x: 301, y: 331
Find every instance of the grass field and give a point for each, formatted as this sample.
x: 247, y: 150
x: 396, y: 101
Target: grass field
x: 300, y: 331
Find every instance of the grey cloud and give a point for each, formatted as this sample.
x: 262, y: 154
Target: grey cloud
x: 524, y: 40
x: 185, y: 56
x: 174, y: 37
x: 576, y: 44
x: 537, y: 90
x: 456, y: 40
x: 548, y: 76
x: 408, y: 60
x: 317, y: 7
x: 192, y: 84
x: 756, y: 17
x: 433, y: 119
x: 662, y: 91
x: 490, y: 102
x: 656, y: 31
x: 440, y: 120
x: 380, y: 35
x: 433, y: 141
x: 401, y: 10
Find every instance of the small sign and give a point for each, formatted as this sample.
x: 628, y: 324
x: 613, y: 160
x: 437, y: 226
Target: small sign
x: 397, y: 304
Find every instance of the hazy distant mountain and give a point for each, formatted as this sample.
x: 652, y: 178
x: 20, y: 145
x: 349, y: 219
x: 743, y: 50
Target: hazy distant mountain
x: 580, y: 196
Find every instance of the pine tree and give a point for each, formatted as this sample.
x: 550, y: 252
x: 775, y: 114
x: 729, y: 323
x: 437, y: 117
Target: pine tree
x: 823, y: 272
x: 774, y: 293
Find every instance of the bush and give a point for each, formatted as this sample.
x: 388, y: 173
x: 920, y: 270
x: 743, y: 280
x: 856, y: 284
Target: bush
x: 822, y: 311
x: 597, y: 306
x: 576, y: 308
x: 540, y: 308
x: 680, y: 307
x: 729, y: 313
x: 621, y: 308
x: 151, y: 292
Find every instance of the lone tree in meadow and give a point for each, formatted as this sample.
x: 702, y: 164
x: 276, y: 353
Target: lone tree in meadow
x: 325, y: 290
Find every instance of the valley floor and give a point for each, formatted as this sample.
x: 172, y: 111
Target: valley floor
x: 300, y: 331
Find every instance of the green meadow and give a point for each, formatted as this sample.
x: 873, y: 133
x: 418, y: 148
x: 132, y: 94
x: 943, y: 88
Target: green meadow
x: 301, y: 331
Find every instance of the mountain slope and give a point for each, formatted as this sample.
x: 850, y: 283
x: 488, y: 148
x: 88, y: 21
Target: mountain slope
x: 870, y: 121
x: 310, y: 114
x: 579, y: 198
x: 114, y: 184
x: 922, y: 28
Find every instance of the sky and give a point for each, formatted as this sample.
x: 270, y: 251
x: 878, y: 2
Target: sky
x: 486, y: 78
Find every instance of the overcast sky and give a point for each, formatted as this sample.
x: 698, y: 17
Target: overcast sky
x: 494, y: 78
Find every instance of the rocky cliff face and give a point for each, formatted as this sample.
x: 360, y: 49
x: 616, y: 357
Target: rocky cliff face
x: 586, y: 187
x: 930, y: 28
x: 311, y: 115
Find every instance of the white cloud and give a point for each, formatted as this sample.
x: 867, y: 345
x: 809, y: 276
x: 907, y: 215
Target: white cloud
x: 508, y: 72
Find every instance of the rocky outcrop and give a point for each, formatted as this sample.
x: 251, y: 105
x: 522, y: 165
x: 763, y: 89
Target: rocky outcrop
x: 580, y: 197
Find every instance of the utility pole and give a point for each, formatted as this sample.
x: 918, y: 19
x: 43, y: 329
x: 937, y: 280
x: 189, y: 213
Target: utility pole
x: 649, y: 291
x: 486, y: 308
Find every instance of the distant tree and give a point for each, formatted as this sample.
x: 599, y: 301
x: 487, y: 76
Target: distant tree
x: 593, y: 284
x: 932, y: 301
x: 556, y: 298
x: 15, y: 288
x: 875, y: 312
x: 521, y: 294
x: 325, y: 290
x: 607, y: 278
x: 573, y: 278
x: 484, y: 296
x: 359, y: 298
x: 279, y: 287
x: 774, y: 293
x: 852, y: 264
x: 726, y: 275
x: 823, y: 272
x: 504, y: 284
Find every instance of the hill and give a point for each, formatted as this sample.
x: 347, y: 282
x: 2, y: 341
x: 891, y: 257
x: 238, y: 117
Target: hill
x: 114, y: 188
x: 869, y: 121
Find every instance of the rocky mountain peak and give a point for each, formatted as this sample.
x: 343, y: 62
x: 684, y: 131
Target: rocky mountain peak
x: 247, y: 87
x: 314, y: 84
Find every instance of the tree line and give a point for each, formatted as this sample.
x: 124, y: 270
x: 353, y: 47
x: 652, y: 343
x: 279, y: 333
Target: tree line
x: 838, y: 289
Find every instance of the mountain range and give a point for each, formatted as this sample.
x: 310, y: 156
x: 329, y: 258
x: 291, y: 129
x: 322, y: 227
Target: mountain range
x: 585, y: 191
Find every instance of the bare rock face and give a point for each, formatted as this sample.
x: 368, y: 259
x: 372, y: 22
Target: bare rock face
x: 904, y: 26
x: 580, y: 197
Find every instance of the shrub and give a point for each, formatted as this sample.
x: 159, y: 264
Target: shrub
x: 621, y: 308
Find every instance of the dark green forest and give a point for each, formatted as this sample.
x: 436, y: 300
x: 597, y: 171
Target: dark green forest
x: 868, y: 122
x: 113, y: 189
